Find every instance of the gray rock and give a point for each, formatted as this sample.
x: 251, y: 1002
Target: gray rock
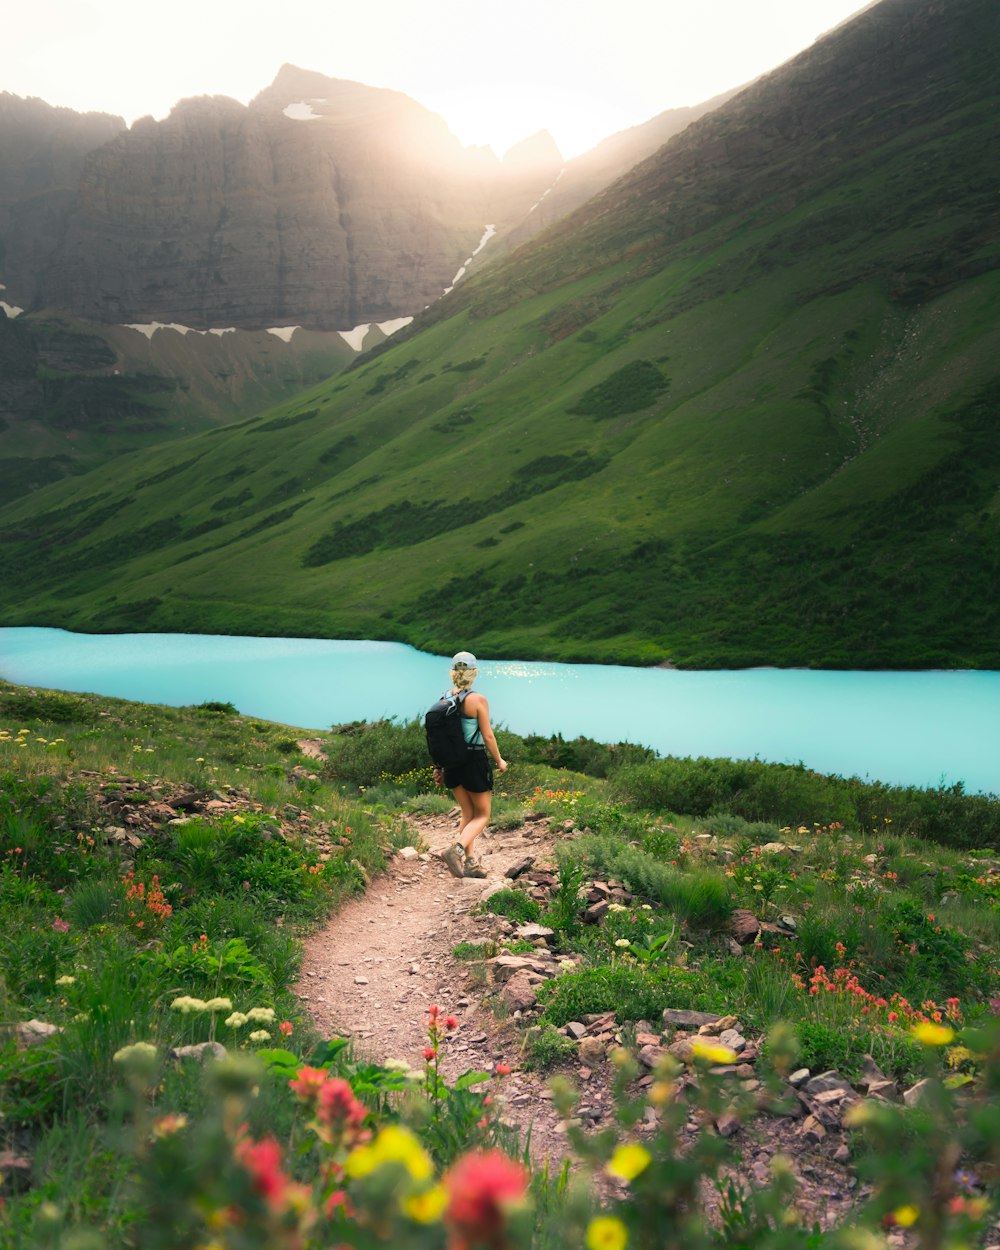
x: 681, y: 1018
x: 826, y: 1081
x: 575, y: 1030
x: 592, y: 1051
x: 532, y: 932
x: 812, y: 1130
x: 522, y: 865
x: 916, y: 1094
x: 32, y: 1032
x: 733, y: 1039
x: 518, y: 993
x: 799, y: 1077
x: 408, y: 852
x: 744, y: 926
x: 595, y: 911
x: 201, y: 1051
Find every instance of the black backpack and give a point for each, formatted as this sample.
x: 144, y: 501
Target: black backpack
x: 443, y: 726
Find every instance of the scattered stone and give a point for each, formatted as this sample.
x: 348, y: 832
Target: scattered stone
x: 522, y: 865
x: 519, y: 993
x: 650, y: 1056
x: 201, y: 1051
x: 647, y: 1039
x: 916, y: 1094
x: 592, y: 1051
x: 842, y: 1154
x: 727, y: 1124
x: 776, y: 848
x: 575, y: 1030
x: 885, y: 1090
x: 680, y: 1018
x: 812, y: 1130
x: 534, y: 932
x: 830, y: 1097
x: 799, y: 1078
x: 407, y: 852
x: 827, y: 1081
x: 744, y: 926
x: 870, y: 1071
x: 681, y: 1049
x: 414, y: 970
x: 733, y: 1039
x: 787, y: 922
x: 360, y: 980
x: 32, y: 1032
x: 596, y: 911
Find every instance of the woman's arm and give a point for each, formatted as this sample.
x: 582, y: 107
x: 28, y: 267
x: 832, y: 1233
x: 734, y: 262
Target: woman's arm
x: 482, y: 711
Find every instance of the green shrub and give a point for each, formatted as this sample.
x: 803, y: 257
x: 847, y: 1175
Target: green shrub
x: 544, y: 1046
x: 632, y: 993
x: 361, y: 754
x: 699, y: 896
x: 514, y: 904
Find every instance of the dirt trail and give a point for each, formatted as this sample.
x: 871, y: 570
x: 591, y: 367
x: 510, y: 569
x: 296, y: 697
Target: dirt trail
x: 386, y: 957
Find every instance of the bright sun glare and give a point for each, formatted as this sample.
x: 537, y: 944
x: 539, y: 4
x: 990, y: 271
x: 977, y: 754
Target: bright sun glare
x: 581, y: 69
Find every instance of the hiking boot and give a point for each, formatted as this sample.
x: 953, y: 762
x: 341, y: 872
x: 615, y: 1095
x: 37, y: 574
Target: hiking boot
x: 474, y: 868
x: 453, y: 859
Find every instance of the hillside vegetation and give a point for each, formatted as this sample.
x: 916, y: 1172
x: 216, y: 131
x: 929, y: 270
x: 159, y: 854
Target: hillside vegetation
x: 159, y: 867
x: 739, y: 409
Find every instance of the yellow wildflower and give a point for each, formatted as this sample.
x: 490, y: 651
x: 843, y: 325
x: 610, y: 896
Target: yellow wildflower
x: 930, y: 1034
x: 428, y: 1207
x: 393, y: 1145
x: 629, y: 1161
x: 712, y: 1052
x: 907, y: 1216
x: 605, y: 1232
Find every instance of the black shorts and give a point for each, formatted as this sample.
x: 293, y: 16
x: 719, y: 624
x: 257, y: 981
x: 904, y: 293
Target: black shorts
x: 475, y: 775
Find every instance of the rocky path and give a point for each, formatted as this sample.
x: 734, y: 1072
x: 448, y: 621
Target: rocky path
x: 387, y: 956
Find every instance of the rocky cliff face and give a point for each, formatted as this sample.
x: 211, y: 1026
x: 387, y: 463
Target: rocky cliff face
x: 323, y: 203
x: 42, y: 154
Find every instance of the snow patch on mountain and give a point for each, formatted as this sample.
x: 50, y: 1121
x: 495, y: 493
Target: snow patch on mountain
x: 488, y: 234
x: 303, y: 111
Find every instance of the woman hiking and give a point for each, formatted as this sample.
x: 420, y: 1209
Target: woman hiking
x: 472, y: 782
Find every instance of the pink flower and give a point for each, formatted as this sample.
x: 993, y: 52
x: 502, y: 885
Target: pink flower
x: 60, y: 925
x: 482, y: 1186
x: 308, y: 1084
x: 450, y: 1022
x: 285, y: 1028
x: 429, y: 1053
x: 262, y: 1160
x: 338, y: 1107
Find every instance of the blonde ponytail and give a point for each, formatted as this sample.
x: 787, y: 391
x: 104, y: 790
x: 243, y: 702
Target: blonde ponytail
x: 462, y: 678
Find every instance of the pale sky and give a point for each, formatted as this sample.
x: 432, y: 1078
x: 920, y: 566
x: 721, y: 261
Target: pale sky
x: 497, y: 72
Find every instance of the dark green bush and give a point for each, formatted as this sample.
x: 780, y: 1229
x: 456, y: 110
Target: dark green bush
x: 360, y: 754
x: 632, y: 993
x: 699, y: 896
x: 514, y: 904
x: 790, y: 794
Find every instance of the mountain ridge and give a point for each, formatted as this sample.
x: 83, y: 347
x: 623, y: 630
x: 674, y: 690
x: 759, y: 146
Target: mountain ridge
x: 712, y: 417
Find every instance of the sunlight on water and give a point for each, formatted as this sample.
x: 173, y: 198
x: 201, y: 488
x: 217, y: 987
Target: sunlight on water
x: 906, y: 728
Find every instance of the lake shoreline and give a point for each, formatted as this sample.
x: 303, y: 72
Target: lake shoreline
x: 928, y: 729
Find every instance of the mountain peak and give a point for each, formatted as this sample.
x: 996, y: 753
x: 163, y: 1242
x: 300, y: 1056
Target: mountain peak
x: 539, y: 149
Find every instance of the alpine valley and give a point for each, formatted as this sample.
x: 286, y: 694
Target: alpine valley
x: 727, y: 396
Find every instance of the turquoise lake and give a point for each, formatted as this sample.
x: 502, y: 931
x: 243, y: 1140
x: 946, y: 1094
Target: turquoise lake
x: 923, y: 729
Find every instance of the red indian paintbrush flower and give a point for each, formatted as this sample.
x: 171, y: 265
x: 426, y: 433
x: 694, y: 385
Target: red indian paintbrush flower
x: 482, y: 1187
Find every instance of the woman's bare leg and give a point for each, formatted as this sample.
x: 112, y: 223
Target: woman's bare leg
x: 482, y: 804
x: 464, y: 799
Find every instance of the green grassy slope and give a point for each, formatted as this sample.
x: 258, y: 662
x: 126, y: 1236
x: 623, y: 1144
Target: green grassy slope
x: 739, y: 409
x: 75, y: 395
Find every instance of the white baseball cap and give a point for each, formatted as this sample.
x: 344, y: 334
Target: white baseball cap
x: 463, y: 659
